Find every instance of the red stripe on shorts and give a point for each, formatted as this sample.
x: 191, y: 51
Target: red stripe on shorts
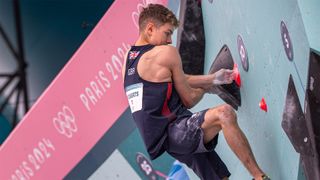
x: 165, y: 109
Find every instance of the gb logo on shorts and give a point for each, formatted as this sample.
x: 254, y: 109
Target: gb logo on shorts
x: 135, y: 93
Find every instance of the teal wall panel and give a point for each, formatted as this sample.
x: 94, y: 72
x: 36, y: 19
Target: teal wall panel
x: 311, y: 19
x: 258, y: 23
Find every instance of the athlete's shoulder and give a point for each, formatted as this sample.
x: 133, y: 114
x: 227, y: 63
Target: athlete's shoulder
x: 167, y: 48
x: 167, y: 55
x: 166, y: 51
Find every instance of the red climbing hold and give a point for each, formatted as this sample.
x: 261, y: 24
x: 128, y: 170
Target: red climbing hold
x: 263, y: 105
x: 237, y: 75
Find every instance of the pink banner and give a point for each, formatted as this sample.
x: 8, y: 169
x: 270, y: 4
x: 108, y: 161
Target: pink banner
x: 79, y: 106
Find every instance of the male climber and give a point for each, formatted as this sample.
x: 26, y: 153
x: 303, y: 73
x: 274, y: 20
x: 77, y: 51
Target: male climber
x: 159, y: 95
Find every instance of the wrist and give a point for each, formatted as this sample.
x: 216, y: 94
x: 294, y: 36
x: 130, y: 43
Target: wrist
x: 208, y: 81
x: 214, y: 80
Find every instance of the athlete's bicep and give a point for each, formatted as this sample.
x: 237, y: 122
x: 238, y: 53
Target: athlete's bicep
x: 179, y: 78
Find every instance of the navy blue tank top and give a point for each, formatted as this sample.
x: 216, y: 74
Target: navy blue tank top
x: 153, y: 104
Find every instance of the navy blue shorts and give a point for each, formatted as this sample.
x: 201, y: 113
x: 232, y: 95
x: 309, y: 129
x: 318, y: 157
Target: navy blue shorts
x: 185, y: 143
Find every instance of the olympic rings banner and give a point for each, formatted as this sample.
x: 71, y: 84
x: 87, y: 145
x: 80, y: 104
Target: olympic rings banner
x: 79, y: 106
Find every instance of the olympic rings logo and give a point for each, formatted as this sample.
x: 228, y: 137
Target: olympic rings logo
x: 65, y: 122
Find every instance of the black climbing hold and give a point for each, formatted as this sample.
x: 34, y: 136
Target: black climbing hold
x: 311, y: 165
x: 230, y: 93
x: 191, y: 37
x: 294, y: 123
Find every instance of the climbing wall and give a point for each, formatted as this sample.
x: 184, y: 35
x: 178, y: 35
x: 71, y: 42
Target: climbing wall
x: 275, y: 45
